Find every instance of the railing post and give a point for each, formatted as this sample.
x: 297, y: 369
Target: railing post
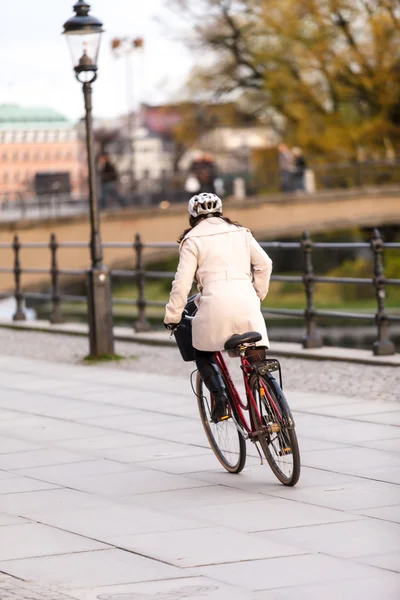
x: 19, y: 314
x: 55, y: 316
x: 383, y: 345
x: 312, y: 338
x: 141, y: 323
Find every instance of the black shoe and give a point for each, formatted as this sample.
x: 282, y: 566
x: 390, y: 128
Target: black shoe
x: 220, y: 411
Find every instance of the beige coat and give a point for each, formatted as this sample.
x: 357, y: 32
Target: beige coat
x: 232, y: 272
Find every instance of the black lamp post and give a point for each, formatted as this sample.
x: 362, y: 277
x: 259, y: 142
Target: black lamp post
x: 83, y: 33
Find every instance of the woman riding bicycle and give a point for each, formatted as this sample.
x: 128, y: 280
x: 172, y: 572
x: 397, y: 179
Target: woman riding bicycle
x: 232, y: 273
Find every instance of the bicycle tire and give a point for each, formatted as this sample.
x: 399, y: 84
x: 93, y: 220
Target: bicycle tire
x: 286, y: 438
x: 238, y: 457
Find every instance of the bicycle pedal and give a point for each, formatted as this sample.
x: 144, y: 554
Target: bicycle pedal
x: 225, y: 418
x: 285, y: 451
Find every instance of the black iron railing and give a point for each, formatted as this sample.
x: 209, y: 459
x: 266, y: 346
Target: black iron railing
x: 140, y: 276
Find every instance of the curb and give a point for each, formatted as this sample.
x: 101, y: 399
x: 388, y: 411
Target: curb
x: 288, y: 350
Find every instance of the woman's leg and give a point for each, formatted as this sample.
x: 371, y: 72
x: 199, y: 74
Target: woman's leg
x: 213, y: 380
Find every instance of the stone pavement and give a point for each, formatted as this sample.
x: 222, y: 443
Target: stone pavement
x: 108, y: 491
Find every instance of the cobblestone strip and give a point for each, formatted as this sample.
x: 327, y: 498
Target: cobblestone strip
x: 347, y: 379
x: 15, y: 589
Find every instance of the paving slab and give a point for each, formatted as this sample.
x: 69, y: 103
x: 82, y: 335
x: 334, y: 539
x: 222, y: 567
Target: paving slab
x: 66, y: 474
x: 133, y: 482
x: 347, y: 496
x: 391, y: 445
x: 176, y: 501
x: 98, y: 445
x: 108, y: 493
x: 292, y: 572
x: 106, y: 524
x: 14, y: 461
x: 33, y: 539
x: 385, y: 513
x: 8, y: 445
x: 33, y: 504
x: 14, y: 485
x: 10, y: 520
x: 166, y: 452
x: 353, y: 539
x: 205, y: 546
x: 45, y: 429
x: 367, y: 589
x: 259, y: 479
x: 12, y: 588
x: 196, y: 588
x: 391, y: 562
x: 90, y: 569
x: 269, y: 514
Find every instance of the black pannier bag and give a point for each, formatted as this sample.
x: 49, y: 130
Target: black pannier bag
x: 183, y: 333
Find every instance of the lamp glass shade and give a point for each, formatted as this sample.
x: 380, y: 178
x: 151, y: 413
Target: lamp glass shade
x: 84, y: 48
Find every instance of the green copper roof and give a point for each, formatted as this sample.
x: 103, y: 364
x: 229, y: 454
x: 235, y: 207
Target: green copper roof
x: 20, y: 118
x: 13, y: 113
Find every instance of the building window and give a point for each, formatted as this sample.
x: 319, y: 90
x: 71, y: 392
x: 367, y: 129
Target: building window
x: 4, y: 157
x: 16, y: 177
x: 37, y: 156
x: 26, y: 156
x: 15, y: 156
x: 5, y: 177
x: 58, y: 156
x: 68, y: 156
x: 48, y: 156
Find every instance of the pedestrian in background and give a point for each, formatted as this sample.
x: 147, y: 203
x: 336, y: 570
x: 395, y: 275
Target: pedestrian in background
x: 299, y: 170
x: 205, y: 171
x: 285, y: 161
x: 109, y: 182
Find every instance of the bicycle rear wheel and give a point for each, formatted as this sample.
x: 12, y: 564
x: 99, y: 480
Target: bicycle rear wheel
x: 225, y: 440
x: 279, y: 444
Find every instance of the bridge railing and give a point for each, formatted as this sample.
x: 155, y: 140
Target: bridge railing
x: 140, y: 276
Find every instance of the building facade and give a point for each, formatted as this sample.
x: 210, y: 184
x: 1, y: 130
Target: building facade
x: 36, y: 141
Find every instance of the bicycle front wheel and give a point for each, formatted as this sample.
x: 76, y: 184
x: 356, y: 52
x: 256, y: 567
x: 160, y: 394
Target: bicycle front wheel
x: 224, y: 438
x: 279, y: 442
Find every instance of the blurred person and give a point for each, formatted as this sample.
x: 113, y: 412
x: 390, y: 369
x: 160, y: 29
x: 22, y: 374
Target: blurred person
x: 109, y: 182
x: 232, y: 273
x: 205, y: 171
x: 285, y: 161
x: 299, y: 170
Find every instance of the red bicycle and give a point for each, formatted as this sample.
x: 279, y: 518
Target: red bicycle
x: 264, y: 418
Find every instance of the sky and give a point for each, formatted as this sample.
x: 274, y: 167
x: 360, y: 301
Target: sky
x: 36, y: 66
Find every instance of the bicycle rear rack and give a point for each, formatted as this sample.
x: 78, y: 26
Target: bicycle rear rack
x: 267, y: 366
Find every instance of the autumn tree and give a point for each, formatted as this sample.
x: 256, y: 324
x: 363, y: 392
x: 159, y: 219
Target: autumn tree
x: 323, y: 73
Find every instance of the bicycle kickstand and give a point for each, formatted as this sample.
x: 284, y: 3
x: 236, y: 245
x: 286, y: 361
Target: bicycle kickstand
x: 258, y: 450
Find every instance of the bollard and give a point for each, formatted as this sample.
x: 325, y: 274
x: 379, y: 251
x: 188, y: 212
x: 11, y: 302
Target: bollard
x: 383, y: 345
x: 141, y: 323
x: 19, y: 314
x: 55, y: 316
x: 312, y: 338
x: 239, y: 189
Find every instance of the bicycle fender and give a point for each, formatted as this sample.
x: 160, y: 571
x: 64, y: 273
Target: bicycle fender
x: 281, y: 398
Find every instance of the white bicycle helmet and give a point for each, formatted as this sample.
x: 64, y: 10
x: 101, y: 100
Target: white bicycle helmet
x: 204, y: 204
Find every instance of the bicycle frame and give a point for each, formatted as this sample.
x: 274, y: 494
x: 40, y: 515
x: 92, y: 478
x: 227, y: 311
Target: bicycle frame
x: 238, y: 406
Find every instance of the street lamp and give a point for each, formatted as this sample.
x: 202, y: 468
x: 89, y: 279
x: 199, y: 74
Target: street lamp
x: 126, y: 47
x: 83, y: 33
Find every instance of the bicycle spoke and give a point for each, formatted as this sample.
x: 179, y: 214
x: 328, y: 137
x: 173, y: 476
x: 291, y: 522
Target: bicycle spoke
x: 225, y: 440
x: 226, y: 436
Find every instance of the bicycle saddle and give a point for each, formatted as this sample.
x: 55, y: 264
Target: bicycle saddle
x: 245, y: 338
